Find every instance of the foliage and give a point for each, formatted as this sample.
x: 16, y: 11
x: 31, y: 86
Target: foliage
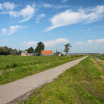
x: 9, y: 51
x: 39, y: 48
x: 67, y: 48
x: 30, y: 50
x: 101, y: 56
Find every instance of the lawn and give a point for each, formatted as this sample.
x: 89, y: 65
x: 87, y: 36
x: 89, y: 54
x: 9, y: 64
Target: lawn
x: 16, y: 67
x: 81, y: 84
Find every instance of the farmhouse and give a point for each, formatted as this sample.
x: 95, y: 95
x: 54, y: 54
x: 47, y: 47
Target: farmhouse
x: 25, y: 53
x: 46, y: 52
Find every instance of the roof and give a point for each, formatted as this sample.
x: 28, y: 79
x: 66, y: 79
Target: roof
x: 47, y: 52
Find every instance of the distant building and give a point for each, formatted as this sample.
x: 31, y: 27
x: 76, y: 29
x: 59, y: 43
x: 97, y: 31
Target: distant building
x: 30, y: 54
x: 58, y: 53
x: 46, y: 52
x: 25, y: 53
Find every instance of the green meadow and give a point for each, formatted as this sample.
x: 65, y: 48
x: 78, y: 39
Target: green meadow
x: 16, y: 67
x: 81, y: 84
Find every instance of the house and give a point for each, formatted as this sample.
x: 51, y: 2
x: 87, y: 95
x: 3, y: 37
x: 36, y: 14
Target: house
x: 30, y: 54
x: 47, y: 52
x: 58, y: 53
x: 25, y: 53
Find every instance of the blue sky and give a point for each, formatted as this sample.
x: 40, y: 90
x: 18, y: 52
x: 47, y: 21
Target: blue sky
x: 24, y: 23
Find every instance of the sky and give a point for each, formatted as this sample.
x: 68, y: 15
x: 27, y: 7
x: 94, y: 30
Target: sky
x: 24, y: 23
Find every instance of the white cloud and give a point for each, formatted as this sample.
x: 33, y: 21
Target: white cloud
x: 12, y: 29
x: 52, y: 43
x: 14, y: 13
x: 100, y: 41
x: 61, y: 6
x: 41, y: 16
x: 30, y: 43
x: 48, y: 44
x: 89, y: 42
x: 9, y: 5
x: 80, y: 43
x: 27, y: 13
x: 4, y: 31
x: 0, y: 6
x: 64, y: 1
x: 46, y: 5
x: 70, y: 17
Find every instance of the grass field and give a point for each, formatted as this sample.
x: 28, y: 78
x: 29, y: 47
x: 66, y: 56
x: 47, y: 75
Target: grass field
x: 81, y: 84
x: 16, y: 67
x: 101, y: 56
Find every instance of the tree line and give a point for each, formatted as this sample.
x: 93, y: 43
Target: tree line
x: 40, y: 46
x: 9, y: 51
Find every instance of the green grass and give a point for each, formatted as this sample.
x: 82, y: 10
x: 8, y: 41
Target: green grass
x: 101, y: 56
x: 81, y: 84
x: 16, y: 67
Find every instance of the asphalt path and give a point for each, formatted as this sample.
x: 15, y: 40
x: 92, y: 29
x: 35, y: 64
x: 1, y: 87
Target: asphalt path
x: 10, y: 93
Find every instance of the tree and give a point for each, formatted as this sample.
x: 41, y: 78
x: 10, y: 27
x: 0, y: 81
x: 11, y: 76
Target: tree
x: 67, y: 48
x: 15, y: 51
x: 8, y: 51
x: 39, y: 48
x: 1, y: 51
x: 30, y: 50
x: 58, y: 53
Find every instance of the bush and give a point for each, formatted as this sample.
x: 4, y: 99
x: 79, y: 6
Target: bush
x: 14, y: 65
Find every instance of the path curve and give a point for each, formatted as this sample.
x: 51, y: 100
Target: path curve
x: 11, y: 91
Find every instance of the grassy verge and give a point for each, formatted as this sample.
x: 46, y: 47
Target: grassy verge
x: 101, y: 56
x: 81, y: 84
x: 15, y: 67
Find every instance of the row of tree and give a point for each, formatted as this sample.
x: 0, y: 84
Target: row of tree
x: 40, y: 46
x: 9, y: 51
